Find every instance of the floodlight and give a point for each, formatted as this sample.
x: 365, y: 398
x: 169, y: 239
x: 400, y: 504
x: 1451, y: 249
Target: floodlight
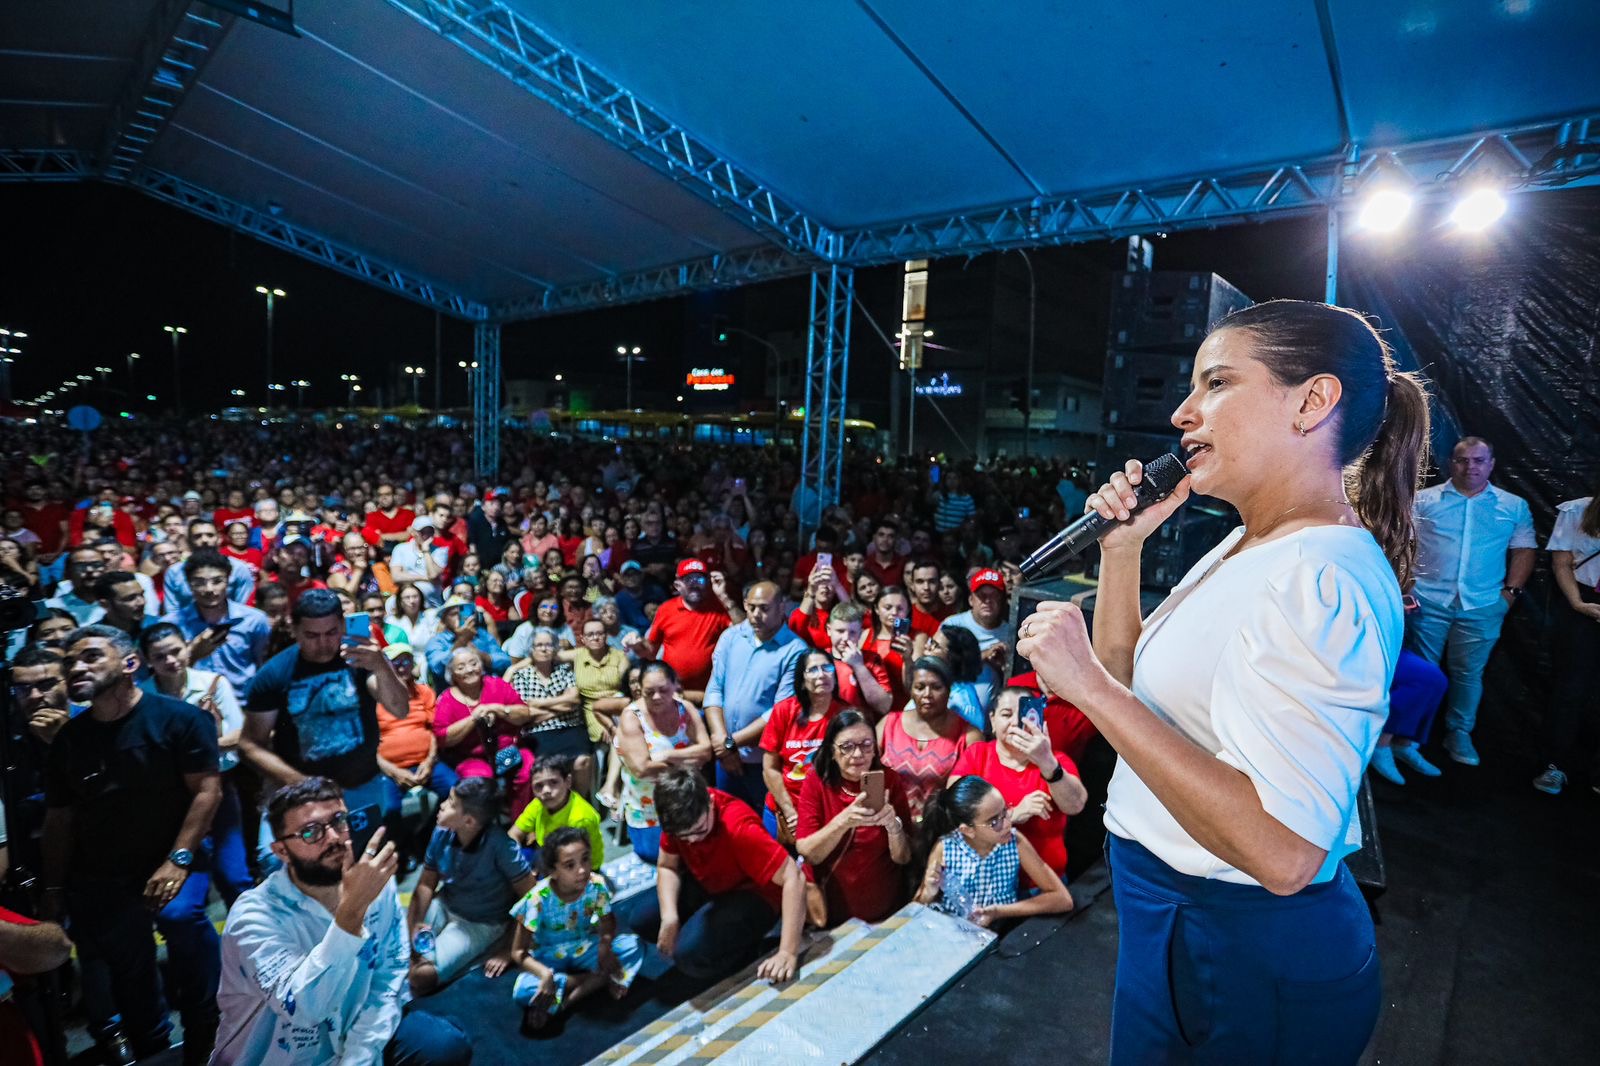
x: 1385, y: 210
x: 1479, y: 209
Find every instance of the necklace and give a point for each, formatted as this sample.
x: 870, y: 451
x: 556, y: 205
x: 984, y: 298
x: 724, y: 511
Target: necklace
x: 1250, y: 534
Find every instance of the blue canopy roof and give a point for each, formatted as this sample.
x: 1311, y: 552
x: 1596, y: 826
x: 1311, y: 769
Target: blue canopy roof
x: 515, y: 158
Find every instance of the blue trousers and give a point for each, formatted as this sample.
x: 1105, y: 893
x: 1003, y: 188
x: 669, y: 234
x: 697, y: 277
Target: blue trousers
x: 1460, y: 641
x: 424, y: 1039
x: 112, y: 929
x: 230, y: 866
x: 1210, y: 972
x: 718, y: 934
x: 1414, y: 697
x: 749, y: 786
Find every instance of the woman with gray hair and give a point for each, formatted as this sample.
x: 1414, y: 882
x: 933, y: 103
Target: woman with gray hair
x: 549, y: 691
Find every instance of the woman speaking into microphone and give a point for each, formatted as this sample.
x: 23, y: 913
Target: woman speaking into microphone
x: 1245, y: 708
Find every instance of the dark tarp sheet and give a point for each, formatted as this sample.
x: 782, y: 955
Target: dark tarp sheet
x: 1506, y: 325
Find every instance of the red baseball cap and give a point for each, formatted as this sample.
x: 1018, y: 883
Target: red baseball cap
x: 691, y: 566
x: 987, y: 578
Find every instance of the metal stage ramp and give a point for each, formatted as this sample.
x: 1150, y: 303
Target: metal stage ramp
x: 856, y: 985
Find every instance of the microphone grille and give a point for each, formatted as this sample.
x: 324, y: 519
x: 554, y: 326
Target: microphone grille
x: 1163, y: 473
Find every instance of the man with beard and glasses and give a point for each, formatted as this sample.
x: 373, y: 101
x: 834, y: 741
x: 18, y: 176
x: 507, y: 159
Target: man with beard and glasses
x: 317, y: 954
x: 130, y: 790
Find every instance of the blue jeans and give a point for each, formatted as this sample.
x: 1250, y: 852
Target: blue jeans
x: 749, y: 786
x: 230, y: 866
x: 1460, y: 641
x: 441, y: 780
x: 367, y: 794
x: 112, y: 928
x: 717, y: 934
x: 424, y: 1039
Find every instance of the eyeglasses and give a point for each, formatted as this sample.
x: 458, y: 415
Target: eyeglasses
x: 44, y: 684
x: 313, y: 832
x: 999, y: 820
x: 855, y: 747
x: 827, y: 668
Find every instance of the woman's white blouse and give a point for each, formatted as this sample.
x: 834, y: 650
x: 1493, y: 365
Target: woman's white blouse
x: 1278, y: 661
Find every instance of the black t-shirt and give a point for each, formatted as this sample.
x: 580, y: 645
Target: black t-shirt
x: 489, y: 539
x: 124, y: 783
x: 327, y: 721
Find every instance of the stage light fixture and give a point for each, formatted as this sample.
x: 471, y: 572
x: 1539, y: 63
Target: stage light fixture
x: 1478, y: 210
x: 1385, y: 210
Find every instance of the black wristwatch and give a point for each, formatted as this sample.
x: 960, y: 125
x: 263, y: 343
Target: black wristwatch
x: 1061, y: 771
x: 183, y: 858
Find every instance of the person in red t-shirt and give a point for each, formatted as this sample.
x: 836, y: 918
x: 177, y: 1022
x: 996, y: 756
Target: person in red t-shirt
x: 810, y: 620
x: 890, y: 638
x: 685, y: 629
x: 391, y: 522
x: 236, y: 545
x: 791, y: 737
x: 927, y: 610
x: 1069, y: 728
x: 853, y: 852
x: 234, y: 509
x: 1040, y: 785
x: 882, y: 561
x: 47, y: 519
x: 863, y: 677
x: 711, y: 922
x: 26, y: 947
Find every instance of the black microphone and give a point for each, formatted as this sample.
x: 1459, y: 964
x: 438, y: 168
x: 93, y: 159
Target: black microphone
x: 1161, y: 476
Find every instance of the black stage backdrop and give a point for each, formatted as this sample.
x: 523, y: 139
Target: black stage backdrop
x: 1506, y: 326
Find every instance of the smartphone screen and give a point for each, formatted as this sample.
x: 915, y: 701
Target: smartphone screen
x: 824, y: 558
x: 364, y: 821
x: 902, y: 626
x: 1031, y: 709
x: 358, y: 627
x: 872, y: 789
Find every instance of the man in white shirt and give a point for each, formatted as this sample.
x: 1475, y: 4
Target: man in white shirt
x: 419, y: 562
x: 1475, y: 551
x: 314, y: 959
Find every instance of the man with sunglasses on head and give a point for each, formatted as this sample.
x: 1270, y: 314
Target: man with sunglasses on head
x: 316, y: 956
x: 131, y: 786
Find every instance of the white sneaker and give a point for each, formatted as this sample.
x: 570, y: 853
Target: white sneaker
x: 1551, y: 781
x: 1383, y: 765
x: 1458, y: 745
x: 1411, y: 755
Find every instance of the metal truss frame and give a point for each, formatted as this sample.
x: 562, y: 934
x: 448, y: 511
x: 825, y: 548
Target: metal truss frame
x: 510, y: 43
x: 43, y: 164
x: 178, y: 43
x: 827, y: 388
x: 725, y: 271
x: 486, y: 400
x: 268, y: 227
x: 1512, y: 157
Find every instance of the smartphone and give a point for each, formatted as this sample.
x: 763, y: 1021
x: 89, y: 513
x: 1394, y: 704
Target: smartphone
x: 824, y: 558
x: 226, y: 623
x: 1031, y: 709
x: 358, y: 627
x: 1024, y: 512
x: 364, y: 821
x: 902, y: 626
x: 872, y: 789
x: 738, y: 484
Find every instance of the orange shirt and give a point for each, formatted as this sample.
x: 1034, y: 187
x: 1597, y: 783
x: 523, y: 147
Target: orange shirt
x: 407, y: 741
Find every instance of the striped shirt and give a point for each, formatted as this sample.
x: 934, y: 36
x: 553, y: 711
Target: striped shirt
x: 952, y: 511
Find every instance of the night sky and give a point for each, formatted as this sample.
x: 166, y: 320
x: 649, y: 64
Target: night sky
x: 93, y: 272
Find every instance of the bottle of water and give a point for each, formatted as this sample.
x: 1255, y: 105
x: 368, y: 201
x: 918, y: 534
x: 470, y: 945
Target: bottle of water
x: 422, y: 943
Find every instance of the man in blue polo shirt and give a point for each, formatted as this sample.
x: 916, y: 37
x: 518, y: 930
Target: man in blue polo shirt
x: 752, y: 668
x: 225, y: 636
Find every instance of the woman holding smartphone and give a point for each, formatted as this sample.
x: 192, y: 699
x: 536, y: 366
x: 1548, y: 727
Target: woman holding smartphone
x: 854, y: 824
x: 1245, y: 708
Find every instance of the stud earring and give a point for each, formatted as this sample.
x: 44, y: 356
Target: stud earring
x: 1301, y: 426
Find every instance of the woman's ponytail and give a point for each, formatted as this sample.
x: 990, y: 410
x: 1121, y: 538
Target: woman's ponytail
x: 1383, y: 483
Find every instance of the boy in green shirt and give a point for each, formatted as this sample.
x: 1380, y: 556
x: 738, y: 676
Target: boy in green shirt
x: 554, y: 806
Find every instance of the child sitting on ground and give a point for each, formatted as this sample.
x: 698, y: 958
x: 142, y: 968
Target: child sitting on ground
x: 555, y: 806
x: 976, y: 855
x: 470, y: 875
x: 566, y: 944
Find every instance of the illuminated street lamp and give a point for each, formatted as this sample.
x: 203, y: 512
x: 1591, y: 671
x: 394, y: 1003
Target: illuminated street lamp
x: 629, y: 356
x: 177, y: 371
x: 272, y: 296
x: 416, y: 373
x: 353, y: 385
x: 300, y: 387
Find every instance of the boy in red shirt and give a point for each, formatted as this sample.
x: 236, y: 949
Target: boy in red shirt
x: 739, y: 881
x: 685, y: 629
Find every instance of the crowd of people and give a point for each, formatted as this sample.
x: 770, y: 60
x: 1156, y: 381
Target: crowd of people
x: 284, y: 664
x: 292, y: 665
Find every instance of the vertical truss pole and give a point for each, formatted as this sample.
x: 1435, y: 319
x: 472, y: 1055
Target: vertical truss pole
x: 827, y: 383
x: 486, y: 400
